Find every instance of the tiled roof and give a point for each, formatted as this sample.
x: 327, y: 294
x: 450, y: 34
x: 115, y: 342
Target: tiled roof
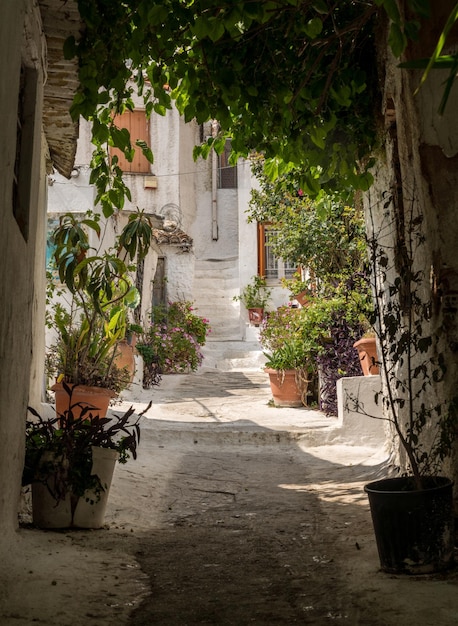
x: 61, y: 19
x: 172, y: 237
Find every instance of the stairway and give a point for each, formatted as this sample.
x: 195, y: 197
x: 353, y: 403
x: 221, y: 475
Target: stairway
x: 232, y: 343
x: 232, y: 355
x: 215, y: 283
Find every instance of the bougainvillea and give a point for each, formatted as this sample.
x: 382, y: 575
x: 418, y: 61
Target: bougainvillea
x: 172, y: 342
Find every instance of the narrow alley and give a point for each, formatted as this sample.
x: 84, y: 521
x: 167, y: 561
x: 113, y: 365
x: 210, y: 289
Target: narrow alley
x: 234, y: 513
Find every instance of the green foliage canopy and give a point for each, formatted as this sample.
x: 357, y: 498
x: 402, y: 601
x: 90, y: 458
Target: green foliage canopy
x: 293, y: 79
x: 326, y: 236
x: 261, y: 69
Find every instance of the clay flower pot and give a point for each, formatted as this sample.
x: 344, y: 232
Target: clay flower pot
x: 125, y: 356
x: 255, y: 316
x: 97, y: 398
x: 285, y: 387
x: 367, y: 352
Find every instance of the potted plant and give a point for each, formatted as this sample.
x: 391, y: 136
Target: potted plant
x: 289, y: 361
x: 92, y: 315
x: 298, y: 288
x: 412, y: 513
x: 172, y: 342
x: 366, y: 348
x: 125, y: 353
x: 289, y: 374
x: 70, y: 460
x: 255, y: 297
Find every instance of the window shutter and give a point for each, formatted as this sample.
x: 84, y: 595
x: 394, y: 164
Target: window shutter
x: 138, y: 126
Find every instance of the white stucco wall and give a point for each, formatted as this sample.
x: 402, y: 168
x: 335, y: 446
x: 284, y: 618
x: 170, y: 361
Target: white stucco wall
x: 223, y: 257
x: 18, y: 303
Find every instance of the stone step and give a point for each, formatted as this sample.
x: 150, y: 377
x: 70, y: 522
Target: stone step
x: 224, y: 317
x: 233, y: 355
x: 215, y: 266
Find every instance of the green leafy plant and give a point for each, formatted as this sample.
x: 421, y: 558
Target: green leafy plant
x: 283, y: 341
x: 59, y: 450
x: 315, y: 110
x: 325, y: 236
x: 322, y: 333
x: 286, y: 348
x: 92, y: 314
x: 256, y: 294
x: 289, y: 356
x: 173, y: 340
x: 296, y: 285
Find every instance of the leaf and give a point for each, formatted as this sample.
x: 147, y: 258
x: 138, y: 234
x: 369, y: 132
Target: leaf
x: 69, y: 47
x: 422, y: 7
x: 157, y: 14
x: 392, y: 10
x: 366, y: 181
x: 448, y: 86
x: 217, y: 30
x: 453, y: 17
x: 320, y: 6
x: 313, y: 27
x: 271, y: 169
x: 146, y: 150
x: 397, y: 40
x: 443, y: 62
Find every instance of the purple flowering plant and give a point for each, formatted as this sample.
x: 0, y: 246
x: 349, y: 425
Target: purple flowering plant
x: 172, y: 342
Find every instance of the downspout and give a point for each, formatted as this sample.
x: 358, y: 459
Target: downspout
x: 215, y: 129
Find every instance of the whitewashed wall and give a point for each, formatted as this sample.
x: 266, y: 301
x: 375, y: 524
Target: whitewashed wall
x: 20, y: 314
x: 223, y: 257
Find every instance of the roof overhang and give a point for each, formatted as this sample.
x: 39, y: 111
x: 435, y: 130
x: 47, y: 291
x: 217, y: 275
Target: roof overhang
x: 60, y: 19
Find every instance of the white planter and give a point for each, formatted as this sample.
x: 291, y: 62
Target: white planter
x: 89, y: 515
x: 47, y: 513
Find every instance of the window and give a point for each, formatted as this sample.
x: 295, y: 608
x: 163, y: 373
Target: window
x: 227, y: 174
x: 269, y: 265
x: 26, y: 128
x: 160, y: 283
x: 137, y: 124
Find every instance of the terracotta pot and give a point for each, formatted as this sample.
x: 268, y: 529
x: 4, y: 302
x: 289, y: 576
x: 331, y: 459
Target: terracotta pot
x: 285, y: 388
x: 367, y: 352
x: 302, y: 298
x: 97, y: 398
x: 255, y: 316
x: 125, y: 357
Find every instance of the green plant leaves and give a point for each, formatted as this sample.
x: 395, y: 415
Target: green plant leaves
x: 397, y: 40
x: 313, y: 27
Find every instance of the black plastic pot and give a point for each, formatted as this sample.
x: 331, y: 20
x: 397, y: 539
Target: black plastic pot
x: 414, y: 529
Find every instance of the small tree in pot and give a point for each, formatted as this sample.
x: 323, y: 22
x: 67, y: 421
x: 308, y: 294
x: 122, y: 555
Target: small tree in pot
x: 413, y: 513
x: 99, y: 296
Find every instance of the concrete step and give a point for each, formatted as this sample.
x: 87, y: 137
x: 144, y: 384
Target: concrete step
x: 224, y: 323
x: 215, y: 406
x: 233, y: 355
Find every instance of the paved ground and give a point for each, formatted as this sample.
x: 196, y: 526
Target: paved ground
x: 234, y: 513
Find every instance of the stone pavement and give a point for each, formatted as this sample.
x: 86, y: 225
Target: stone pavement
x: 236, y: 406
x: 235, y: 512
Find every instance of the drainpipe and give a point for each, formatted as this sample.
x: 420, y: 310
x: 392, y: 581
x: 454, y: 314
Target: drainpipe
x: 215, y: 129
